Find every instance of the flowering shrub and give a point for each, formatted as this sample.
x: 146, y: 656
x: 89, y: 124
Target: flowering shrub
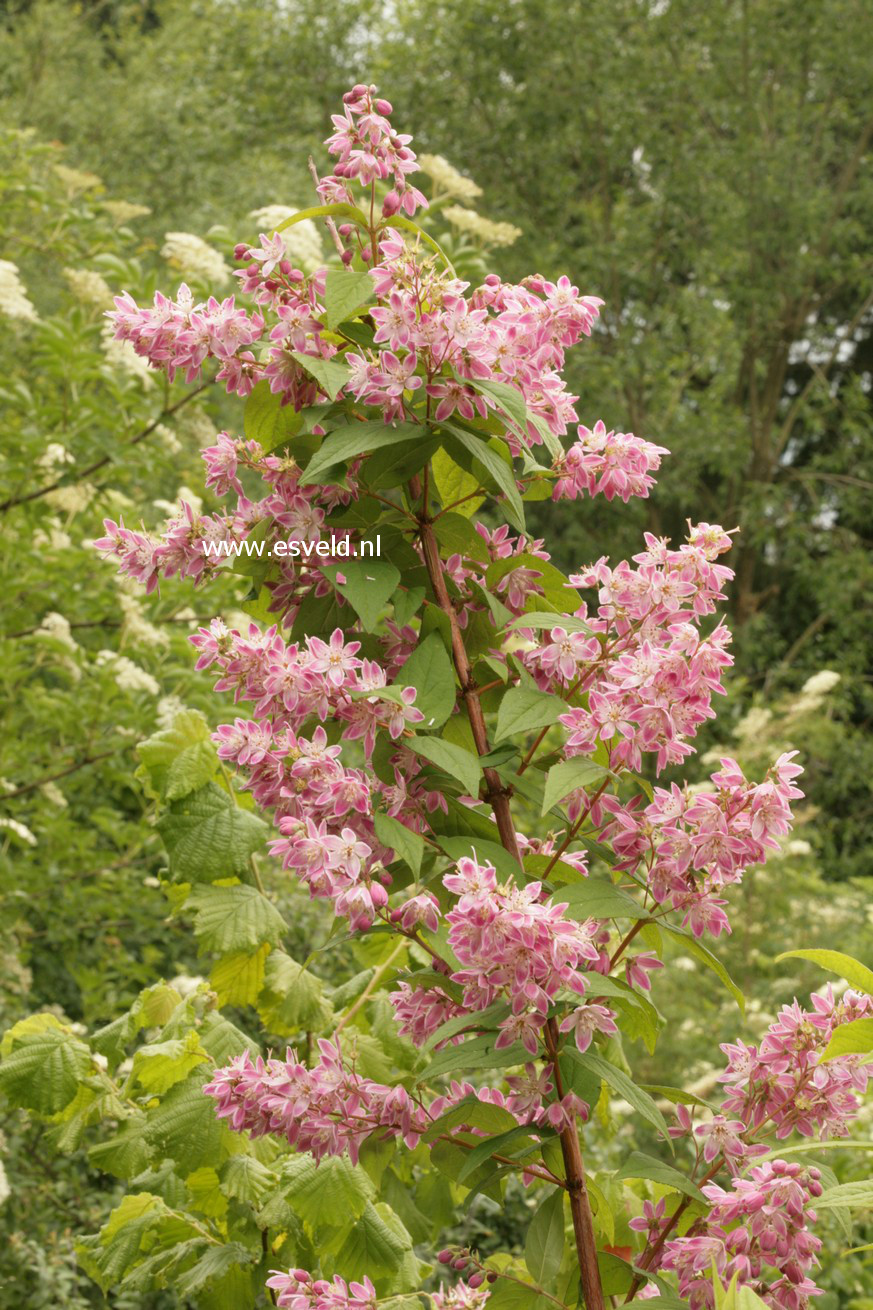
x: 454, y: 743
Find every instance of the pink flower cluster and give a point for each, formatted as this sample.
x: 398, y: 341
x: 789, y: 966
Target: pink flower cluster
x: 783, y: 1082
x: 692, y: 846
x: 607, y: 464
x: 298, y: 1290
x: 326, y: 1110
x: 759, y: 1229
x: 369, y: 150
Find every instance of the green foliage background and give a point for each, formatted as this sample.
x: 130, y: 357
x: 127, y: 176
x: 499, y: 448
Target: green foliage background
x: 706, y: 169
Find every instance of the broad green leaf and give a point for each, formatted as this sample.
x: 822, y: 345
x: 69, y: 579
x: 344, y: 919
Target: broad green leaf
x: 376, y: 1244
x: 330, y: 375
x: 246, y: 1179
x: 233, y: 918
x: 544, y: 1244
x: 676, y: 1095
x: 595, y: 898
x: 406, y: 604
x: 345, y: 291
x: 855, y: 1038
x: 489, y: 458
x: 477, y: 1053
x: 639, y: 1165
x: 475, y: 1113
x: 500, y: 1144
x: 454, y: 484
x: 540, y: 620
x: 207, y: 836
x: 332, y: 1192
x: 347, y: 443
x: 568, y: 776
x: 182, y: 758
x: 624, y: 1086
x: 217, y: 1262
x: 127, y: 1153
x: 159, y: 1066
x: 430, y: 670
x: 507, y: 399
x: 855, y: 973
x: 184, y: 1125
x: 488, y: 1019
x: 454, y: 531
x: 406, y: 844
x: 43, y: 1070
x: 266, y: 420
x: 459, y: 848
x: 204, y: 1193
x: 292, y: 999
x: 394, y: 465
x: 523, y: 709
x: 452, y: 759
x: 238, y: 978
x: 368, y: 586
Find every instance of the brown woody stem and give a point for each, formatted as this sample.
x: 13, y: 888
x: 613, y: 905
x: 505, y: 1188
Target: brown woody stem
x: 498, y: 795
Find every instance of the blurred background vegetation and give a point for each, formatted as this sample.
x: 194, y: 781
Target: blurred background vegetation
x: 706, y: 168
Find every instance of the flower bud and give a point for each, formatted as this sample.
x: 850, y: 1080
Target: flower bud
x: 347, y: 256
x: 476, y: 1281
x: 383, y: 107
x: 445, y: 1257
x: 390, y: 204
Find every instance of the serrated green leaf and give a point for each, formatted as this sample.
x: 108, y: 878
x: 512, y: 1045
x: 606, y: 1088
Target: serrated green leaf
x: 43, y: 1070
x: 215, y: 1264
x: 292, y: 999
x: 622, y: 1084
x: 207, y: 836
x: 238, y: 978
x: 640, y: 1165
x: 159, y: 1066
x: 332, y: 1192
x: 539, y: 620
x: 246, y: 1179
x: 181, y: 758
x: 233, y: 918
x: 374, y: 1246
x: 455, y: 487
x: 489, y: 458
x: 125, y: 1154
x: 266, y: 420
x: 184, y: 1125
x: 595, y: 898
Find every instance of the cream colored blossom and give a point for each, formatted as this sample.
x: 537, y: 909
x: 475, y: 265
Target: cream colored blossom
x: 73, y: 498
x: 195, y: 258
x: 53, y: 794
x: 135, y: 627
x: 820, y: 683
x: 77, y: 181
x: 448, y: 179
x: 13, y: 296
x: 481, y: 229
x: 124, y: 211
x: 302, y: 241
x: 55, y: 539
x: 168, y: 438
x: 168, y: 709
x: 55, y: 456
x: 89, y: 287
x: 57, y: 628
x: 20, y: 830
x: 753, y: 722
x: 128, y: 676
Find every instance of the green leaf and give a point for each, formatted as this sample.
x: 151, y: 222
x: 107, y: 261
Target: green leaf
x: 266, y: 420
x: 855, y: 1196
x: 244, y: 1177
x: 347, y: 443
x: 181, y: 758
x: 490, y: 459
x: 344, y: 292
x: 43, y: 1070
x: 332, y: 1192
x: 568, y: 776
x: 523, y: 709
x: 624, y: 1086
x: 216, y: 1263
x: 458, y: 848
x: 430, y: 670
x: 705, y: 955
x: 238, y: 978
x: 855, y: 973
x: 125, y: 1154
x: 855, y: 1038
x: 539, y: 619
x: 330, y: 375
x: 594, y: 898
x: 488, y: 1019
x: 406, y: 844
x: 292, y: 999
x: 406, y: 604
x: 184, y: 1125
x: 233, y: 918
x: 395, y: 465
x: 478, y: 1053
x: 500, y: 1145
x: 208, y: 836
x: 159, y: 1066
x: 339, y: 208
x: 368, y: 586
x: 377, y: 1244
x: 506, y: 398
x: 639, y: 1165
x: 544, y: 1244
x: 452, y: 759
x: 454, y: 484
